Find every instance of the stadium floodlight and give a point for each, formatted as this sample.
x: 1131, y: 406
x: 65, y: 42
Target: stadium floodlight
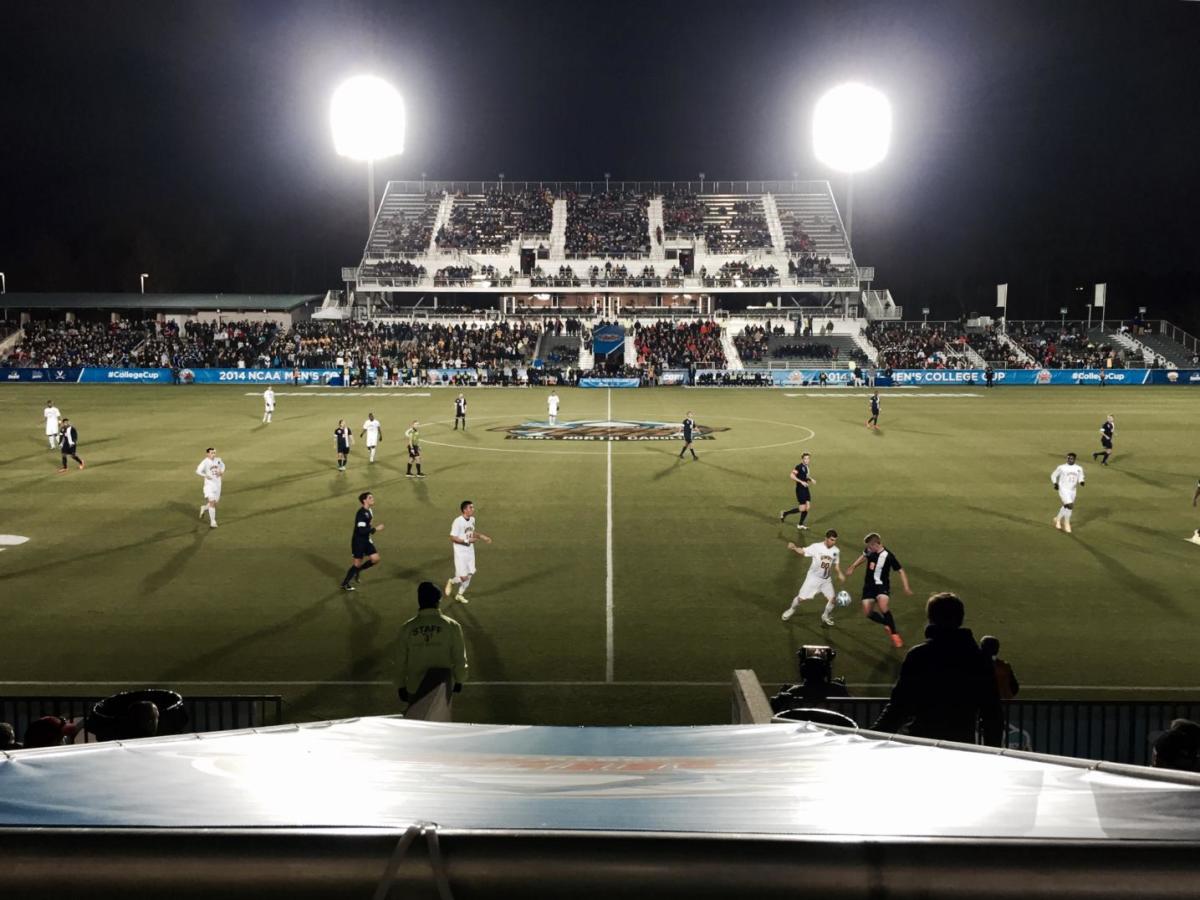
x: 367, y: 118
x: 852, y: 128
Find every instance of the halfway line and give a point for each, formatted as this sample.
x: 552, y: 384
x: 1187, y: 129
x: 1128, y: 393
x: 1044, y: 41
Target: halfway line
x: 608, y: 575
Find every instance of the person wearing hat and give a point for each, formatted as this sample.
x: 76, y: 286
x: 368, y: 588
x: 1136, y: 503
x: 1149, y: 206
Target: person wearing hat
x: 433, y: 656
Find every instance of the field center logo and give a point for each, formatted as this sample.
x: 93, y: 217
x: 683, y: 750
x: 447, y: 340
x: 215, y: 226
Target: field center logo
x: 601, y: 430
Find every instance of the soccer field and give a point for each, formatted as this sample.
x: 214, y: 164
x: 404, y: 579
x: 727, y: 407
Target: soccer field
x: 624, y: 585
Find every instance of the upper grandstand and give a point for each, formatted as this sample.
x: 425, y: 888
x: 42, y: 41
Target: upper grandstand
x: 509, y: 235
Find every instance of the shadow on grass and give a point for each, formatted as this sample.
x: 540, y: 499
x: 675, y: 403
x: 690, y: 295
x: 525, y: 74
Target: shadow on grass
x: 109, y: 462
x: 172, y: 567
x: 1133, y: 582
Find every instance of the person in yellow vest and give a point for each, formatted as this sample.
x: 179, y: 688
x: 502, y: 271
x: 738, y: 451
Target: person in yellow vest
x: 433, y: 655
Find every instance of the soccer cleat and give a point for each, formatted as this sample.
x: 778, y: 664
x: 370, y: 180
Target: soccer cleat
x: 1195, y: 538
x: 462, y: 598
x: 827, y: 619
x: 1067, y: 527
x: 788, y: 613
x: 420, y: 475
x: 448, y: 589
x: 802, y: 528
x: 1058, y: 524
x: 81, y: 467
x: 897, y: 641
x: 783, y: 515
x: 62, y: 470
x: 346, y: 586
x: 409, y: 475
x: 212, y: 524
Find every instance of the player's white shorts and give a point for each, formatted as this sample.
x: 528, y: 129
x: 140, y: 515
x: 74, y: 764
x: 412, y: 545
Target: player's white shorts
x: 371, y: 443
x: 813, y: 586
x: 1066, y: 497
x: 464, y: 562
x: 51, y: 429
x: 212, y: 493
x: 269, y: 407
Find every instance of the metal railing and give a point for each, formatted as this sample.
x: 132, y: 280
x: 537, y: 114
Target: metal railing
x: 599, y: 186
x: 1179, y: 336
x: 204, y: 713
x: 1119, y: 731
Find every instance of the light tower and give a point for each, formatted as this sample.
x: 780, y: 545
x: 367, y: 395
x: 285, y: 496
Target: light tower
x: 367, y: 118
x: 852, y: 127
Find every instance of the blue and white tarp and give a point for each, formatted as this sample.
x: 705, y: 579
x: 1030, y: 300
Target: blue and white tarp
x: 609, y: 382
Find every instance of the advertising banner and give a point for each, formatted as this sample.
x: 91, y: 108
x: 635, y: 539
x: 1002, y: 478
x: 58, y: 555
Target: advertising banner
x: 256, y: 376
x: 97, y: 375
x: 39, y: 376
x: 609, y: 382
x: 673, y: 376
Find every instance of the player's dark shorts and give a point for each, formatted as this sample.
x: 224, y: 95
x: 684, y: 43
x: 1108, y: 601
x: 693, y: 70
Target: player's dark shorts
x: 871, y: 591
x: 414, y: 451
x: 343, y: 448
x: 362, y: 549
x: 802, y: 494
x: 687, y: 437
x: 1106, y: 443
x: 459, y: 414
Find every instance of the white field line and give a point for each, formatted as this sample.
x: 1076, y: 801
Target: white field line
x: 1163, y: 689
x: 890, y: 396
x: 337, y: 394
x: 608, y: 561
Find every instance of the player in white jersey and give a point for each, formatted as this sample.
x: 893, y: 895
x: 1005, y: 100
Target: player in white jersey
x: 552, y: 408
x: 268, y: 405
x: 826, y: 559
x: 52, y: 414
x: 212, y: 470
x: 1067, y: 479
x: 373, y: 432
x: 463, y: 536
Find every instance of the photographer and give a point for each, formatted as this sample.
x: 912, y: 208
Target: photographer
x: 817, y: 683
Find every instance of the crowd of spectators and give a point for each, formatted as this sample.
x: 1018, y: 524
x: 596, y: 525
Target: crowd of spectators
x: 806, y: 350
x: 492, y: 223
x: 810, y: 265
x: 405, y: 232
x: 795, y: 238
x: 903, y: 345
x: 61, y: 344
x: 739, y: 274
x: 995, y: 352
x: 227, y: 345
x: 453, y: 275
x: 683, y: 214
x: 397, y: 269
x: 1054, y: 346
x: 744, y: 227
x: 673, y: 345
x: 607, y: 224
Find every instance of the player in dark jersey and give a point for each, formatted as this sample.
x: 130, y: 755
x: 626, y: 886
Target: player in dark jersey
x: 460, y: 412
x: 68, y: 443
x: 343, y: 437
x: 362, y: 548
x: 688, y: 425
x: 873, y: 422
x: 1106, y: 441
x: 877, y: 588
x: 803, y: 497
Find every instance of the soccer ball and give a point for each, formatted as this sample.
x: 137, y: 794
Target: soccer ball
x: 843, y: 598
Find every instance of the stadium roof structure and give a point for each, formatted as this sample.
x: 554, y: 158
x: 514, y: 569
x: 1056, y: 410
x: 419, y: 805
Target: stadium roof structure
x: 159, y: 302
x: 670, y: 808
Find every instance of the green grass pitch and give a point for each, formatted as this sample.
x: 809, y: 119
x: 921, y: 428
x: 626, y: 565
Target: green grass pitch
x: 121, y: 584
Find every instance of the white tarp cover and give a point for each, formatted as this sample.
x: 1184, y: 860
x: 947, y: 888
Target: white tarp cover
x: 788, y: 779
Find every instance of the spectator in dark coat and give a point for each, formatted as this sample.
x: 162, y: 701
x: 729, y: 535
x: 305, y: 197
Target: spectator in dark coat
x: 1006, y: 680
x: 1178, y: 747
x: 947, y: 687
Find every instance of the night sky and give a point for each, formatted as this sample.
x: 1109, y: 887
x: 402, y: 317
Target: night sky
x: 1047, y: 144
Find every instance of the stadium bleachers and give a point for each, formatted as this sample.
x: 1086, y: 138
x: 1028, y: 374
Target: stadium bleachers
x: 404, y: 224
x: 735, y: 223
x: 811, y: 224
x: 491, y: 222
x: 668, y: 345
x: 607, y: 224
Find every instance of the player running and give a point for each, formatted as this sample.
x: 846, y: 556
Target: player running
x: 463, y: 536
x: 552, y: 408
x: 362, y: 549
x: 873, y: 422
x: 688, y: 425
x: 373, y: 431
x: 877, y: 588
x: 460, y: 412
x: 52, y: 414
x: 212, y: 470
x: 802, y: 479
x: 1106, y: 441
x: 343, y: 437
x: 268, y: 405
x: 826, y: 558
x: 413, y: 436
x: 1067, y: 479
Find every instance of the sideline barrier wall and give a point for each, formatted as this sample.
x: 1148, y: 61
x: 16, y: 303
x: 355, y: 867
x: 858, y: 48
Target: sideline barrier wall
x: 789, y: 378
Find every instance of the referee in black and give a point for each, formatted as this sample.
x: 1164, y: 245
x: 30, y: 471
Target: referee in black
x: 68, y: 442
x: 460, y: 412
x: 362, y: 548
x: 688, y: 425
